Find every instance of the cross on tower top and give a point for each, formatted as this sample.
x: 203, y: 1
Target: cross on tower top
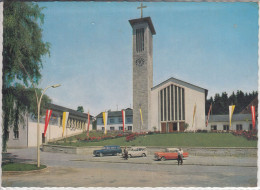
x: 142, y: 7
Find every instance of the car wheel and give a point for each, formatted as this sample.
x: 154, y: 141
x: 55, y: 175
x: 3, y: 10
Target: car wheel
x: 130, y: 155
x: 143, y: 155
x: 163, y: 158
x: 100, y: 154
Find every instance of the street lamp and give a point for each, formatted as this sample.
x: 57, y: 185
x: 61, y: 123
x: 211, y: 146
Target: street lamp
x: 38, y: 109
x: 38, y: 122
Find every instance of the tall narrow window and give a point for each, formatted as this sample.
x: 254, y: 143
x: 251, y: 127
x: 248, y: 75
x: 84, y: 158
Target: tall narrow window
x: 164, y: 91
x: 139, y: 40
x: 168, y: 102
x: 179, y: 98
x: 183, y: 105
x: 172, y: 115
x: 161, y: 97
x: 175, y: 103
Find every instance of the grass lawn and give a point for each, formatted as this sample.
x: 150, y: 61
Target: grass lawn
x: 21, y: 167
x: 175, y: 140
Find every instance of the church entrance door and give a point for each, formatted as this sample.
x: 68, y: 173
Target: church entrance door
x: 163, y: 127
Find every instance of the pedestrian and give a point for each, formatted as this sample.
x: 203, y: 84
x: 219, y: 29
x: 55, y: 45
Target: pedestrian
x: 180, y: 156
x: 125, y: 154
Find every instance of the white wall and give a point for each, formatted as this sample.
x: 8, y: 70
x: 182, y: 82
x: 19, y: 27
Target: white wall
x: 192, y: 95
x: 54, y: 132
x: 20, y: 142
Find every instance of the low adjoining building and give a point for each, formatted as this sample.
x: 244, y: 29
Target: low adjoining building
x: 115, y: 120
x: 239, y: 122
x: 26, y: 136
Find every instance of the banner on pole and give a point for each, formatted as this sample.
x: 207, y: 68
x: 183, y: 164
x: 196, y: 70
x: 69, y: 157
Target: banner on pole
x: 141, y: 116
x: 208, y: 115
x: 65, y: 117
x: 105, y: 116
x: 253, y: 116
x: 194, y: 112
x: 123, y: 119
x: 231, y: 111
x: 47, y: 120
x: 88, y: 124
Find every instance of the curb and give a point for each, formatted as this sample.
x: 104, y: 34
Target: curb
x: 24, y: 172
x: 165, y: 163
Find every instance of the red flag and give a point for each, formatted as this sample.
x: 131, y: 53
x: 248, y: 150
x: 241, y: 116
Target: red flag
x: 208, y: 115
x: 88, y: 124
x: 47, y: 120
x: 123, y: 118
x: 253, y: 116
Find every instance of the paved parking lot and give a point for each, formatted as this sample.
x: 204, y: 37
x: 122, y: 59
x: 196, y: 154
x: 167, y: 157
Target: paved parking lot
x: 71, y: 170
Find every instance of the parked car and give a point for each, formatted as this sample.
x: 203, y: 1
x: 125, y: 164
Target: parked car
x: 108, y: 150
x: 137, y: 151
x: 169, y: 154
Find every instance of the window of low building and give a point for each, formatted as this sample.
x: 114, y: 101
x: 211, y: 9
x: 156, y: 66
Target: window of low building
x: 129, y: 119
x: 120, y: 119
x: 250, y: 127
x: 213, y: 127
x: 16, y: 134
x: 239, y: 127
x: 121, y: 128
x: 103, y: 128
x: 112, y: 128
x: 112, y: 120
x: 129, y: 128
x: 226, y: 127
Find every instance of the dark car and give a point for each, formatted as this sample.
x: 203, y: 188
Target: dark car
x: 108, y: 150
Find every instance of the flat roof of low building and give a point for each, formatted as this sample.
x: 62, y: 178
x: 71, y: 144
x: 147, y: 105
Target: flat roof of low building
x: 72, y: 112
x: 225, y: 118
x: 128, y: 112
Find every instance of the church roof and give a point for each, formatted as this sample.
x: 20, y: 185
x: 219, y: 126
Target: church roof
x: 178, y: 81
x: 225, y: 118
x: 145, y: 19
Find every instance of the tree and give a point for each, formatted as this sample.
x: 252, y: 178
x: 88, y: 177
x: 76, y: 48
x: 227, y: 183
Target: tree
x: 22, y: 45
x: 221, y: 103
x: 80, y: 109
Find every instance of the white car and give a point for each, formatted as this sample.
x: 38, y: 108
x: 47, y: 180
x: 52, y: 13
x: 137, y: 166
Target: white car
x: 137, y: 151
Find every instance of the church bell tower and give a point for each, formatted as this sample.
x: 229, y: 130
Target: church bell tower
x: 143, y: 31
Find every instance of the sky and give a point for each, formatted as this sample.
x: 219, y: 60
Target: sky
x: 211, y: 45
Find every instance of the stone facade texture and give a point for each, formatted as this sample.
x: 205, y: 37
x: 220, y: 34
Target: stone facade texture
x: 142, y: 79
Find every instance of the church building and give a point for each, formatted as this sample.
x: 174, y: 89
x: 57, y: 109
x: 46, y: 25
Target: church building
x: 172, y: 105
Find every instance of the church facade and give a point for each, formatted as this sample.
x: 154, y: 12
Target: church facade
x: 173, y: 105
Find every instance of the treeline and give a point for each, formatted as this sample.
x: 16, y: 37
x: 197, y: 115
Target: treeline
x: 221, y: 102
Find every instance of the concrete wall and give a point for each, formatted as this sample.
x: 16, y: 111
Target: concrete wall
x: 54, y: 132
x: 142, y: 79
x: 193, y: 151
x: 192, y: 95
x: 20, y: 142
x: 28, y: 134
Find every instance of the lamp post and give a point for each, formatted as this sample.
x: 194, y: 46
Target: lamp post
x: 38, y: 122
x: 38, y: 110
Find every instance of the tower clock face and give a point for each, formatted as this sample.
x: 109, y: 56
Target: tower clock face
x: 139, y: 62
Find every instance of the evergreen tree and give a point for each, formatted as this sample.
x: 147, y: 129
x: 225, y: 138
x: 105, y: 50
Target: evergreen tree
x: 80, y: 109
x: 221, y: 103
